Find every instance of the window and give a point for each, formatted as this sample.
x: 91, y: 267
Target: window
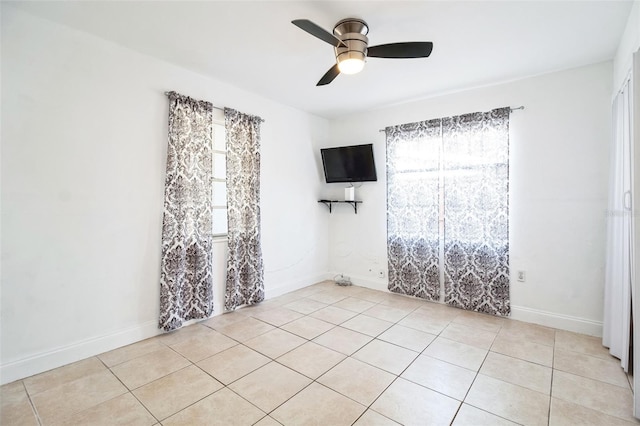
x: 219, y: 185
x: 447, y: 210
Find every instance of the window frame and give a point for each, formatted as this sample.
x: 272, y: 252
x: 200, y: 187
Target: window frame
x: 218, y: 123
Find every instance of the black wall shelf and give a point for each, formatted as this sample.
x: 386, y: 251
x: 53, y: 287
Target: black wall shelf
x: 329, y: 204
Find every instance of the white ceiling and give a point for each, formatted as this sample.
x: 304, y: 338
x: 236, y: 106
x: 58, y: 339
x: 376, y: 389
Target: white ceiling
x: 254, y: 46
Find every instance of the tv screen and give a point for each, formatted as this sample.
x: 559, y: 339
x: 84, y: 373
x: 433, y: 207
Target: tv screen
x: 349, y: 164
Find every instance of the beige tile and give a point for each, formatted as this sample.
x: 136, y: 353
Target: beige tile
x: 126, y: 353
x: 258, y: 308
x: 605, y: 370
x: 357, y: 380
x: 305, y: 306
x: 420, y: 320
x: 386, y: 356
x: 457, y: 353
x: 469, y: 335
x: 278, y: 316
x: 267, y: 421
x: 510, y: 401
x: 472, y: 416
x: 63, y: 401
x: 327, y: 296
x: 333, y: 315
x: 269, y: 386
x: 181, y: 334
x: 528, y: 351
x: 123, y: 410
x: 518, y: 330
x: 275, y: 343
x: 564, y: 413
x: 438, y: 311
x: 199, y: 347
x: 354, y: 304
x: 222, y: 408
x: 172, y: 393
x: 307, y: 291
x: 479, y: 320
x: 406, y: 337
x: 440, y: 376
x: 371, y: 418
x: 388, y: 313
x: 311, y: 359
x: 228, y: 366
x: 582, y: 343
x: 283, y: 299
x: 308, y: 327
x: 223, y: 320
x: 15, y: 408
x: 374, y: 296
x: 343, y: 340
x: 403, y: 301
x: 246, y: 329
x: 147, y: 368
x: 411, y: 404
x: 59, y: 376
x: 609, y: 399
x: 311, y: 407
x: 518, y: 372
x: 367, y: 325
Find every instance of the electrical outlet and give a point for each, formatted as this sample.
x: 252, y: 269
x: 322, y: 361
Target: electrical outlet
x: 522, y: 276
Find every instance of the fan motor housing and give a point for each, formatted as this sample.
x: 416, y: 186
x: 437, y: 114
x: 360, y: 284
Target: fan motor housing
x: 353, y: 33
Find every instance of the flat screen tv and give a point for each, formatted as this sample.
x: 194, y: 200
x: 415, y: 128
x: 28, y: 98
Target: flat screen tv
x: 349, y: 164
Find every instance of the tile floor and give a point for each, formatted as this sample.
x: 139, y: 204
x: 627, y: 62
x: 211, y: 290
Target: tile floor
x: 329, y: 355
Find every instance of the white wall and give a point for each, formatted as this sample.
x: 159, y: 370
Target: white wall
x: 629, y: 43
x: 83, y: 164
x: 558, y: 180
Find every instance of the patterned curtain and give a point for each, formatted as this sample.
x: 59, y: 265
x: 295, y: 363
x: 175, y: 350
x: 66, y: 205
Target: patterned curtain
x: 245, y: 270
x: 413, y: 173
x: 476, y: 211
x: 186, y: 277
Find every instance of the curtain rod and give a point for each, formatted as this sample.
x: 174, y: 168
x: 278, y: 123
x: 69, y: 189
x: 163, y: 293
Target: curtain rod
x: 216, y: 107
x: 511, y: 109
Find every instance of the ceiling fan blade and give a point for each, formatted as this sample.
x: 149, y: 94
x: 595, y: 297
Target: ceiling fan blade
x: 329, y: 76
x: 412, y: 49
x: 317, y: 31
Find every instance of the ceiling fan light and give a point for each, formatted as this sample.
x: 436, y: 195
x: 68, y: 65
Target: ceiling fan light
x: 351, y: 65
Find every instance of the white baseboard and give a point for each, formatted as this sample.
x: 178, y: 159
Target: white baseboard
x: 44, y: 361
x: 555, y: 320
x: 295, y: 285
x: 520, y: 313
x: 38, y: 363
x: 370, y: 282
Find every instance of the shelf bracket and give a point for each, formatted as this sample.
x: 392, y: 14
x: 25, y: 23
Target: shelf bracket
x: 326, y: 203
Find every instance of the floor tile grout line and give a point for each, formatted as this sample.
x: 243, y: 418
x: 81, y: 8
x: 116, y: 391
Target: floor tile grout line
x: 31, y: 403
x: 131, y: 390
x: 128, y: 391
x: 378, y: 303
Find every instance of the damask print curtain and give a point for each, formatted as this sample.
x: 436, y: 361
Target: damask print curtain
x: 476, y: 211
x: 245, y: 270
x: 455, y: 169
x: 186, y: 290
x: 413, y: 173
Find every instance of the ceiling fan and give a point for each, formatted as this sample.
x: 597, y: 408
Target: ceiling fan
x: 350, y: 43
